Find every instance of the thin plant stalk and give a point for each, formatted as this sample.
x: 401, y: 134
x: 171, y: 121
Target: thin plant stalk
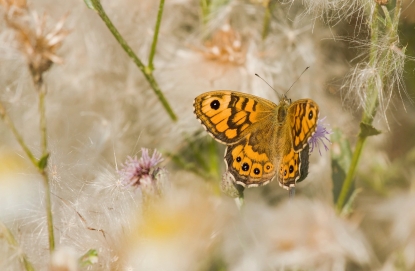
x: 146, y: 70
x: 8, y: 235
x: 155, y: 37
x: 373, y: 98
x: 5, y: 117
x: 205, y: 9
x: 42, y: 164
x: 39, y: 164
x: 267, y: 20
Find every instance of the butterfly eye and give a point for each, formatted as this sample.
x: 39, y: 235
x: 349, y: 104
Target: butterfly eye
x: 238, y: 159
x: 215, y: 104
x: 310, y: 115
x: 245, y: 167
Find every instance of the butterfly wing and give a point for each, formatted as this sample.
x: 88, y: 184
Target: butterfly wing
x: 302, y: 117
x: 245, y: 123
x: 230, y: 116
x: 301, y: 124
x: 252, y: 161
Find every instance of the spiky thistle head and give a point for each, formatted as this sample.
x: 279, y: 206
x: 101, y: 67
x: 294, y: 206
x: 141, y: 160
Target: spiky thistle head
x: 320, y: 136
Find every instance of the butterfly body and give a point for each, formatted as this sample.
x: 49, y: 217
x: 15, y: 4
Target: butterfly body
x: 263, y: 139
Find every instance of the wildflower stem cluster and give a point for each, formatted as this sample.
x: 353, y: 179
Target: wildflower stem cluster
x: 379, y: 62
x: 40, y: 164
x: 146, y: 70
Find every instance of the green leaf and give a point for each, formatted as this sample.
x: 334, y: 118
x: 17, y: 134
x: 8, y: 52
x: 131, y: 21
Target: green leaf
x: 43, y: 161
x: 341, y: 156
x: 90, y: 4
x: 368, y: 130
x: 202, y: 155
x: 89, y: 258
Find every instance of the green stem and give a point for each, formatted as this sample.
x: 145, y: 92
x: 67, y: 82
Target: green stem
x: 145, y: 70
x: 41, y: 90
x: 368, y: 114
x: 19, y: 138
x: 347, y: 184
x: 8, y: 235
x: 156, y: 34
x: 267, y: 17
x: 42, y: 124
x: 49, y: 216
x: 205, y: 6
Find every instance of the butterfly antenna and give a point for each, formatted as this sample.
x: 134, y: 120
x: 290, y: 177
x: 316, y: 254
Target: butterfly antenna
x: 296, y: 80
x: 266, y: 83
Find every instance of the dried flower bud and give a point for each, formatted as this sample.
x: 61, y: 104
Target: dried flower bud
x: 225, y: 46
x: 35, y: 39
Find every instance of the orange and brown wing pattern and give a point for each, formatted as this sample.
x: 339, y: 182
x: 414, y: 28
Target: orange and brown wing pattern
x: 249, y: 164
x: 229, y: 116
x: 302, y: 117
x: 293, y: 167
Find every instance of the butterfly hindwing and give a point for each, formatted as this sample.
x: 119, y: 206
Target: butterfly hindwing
x: 249, y: 164
x: 293, y: 167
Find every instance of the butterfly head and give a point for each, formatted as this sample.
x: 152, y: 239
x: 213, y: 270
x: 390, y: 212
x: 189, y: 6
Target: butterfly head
x: 284, y: 100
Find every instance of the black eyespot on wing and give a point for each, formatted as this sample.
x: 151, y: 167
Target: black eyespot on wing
x: 310, y: 115
x: 291, y: 169
x: 285, y: 172
x: 215, y: 104
x: 257, y: 171
x: 245, y: 167
x: 238, y: 159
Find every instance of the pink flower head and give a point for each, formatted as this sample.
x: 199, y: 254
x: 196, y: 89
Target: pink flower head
x: 319, y: 136
x: 136, y: 172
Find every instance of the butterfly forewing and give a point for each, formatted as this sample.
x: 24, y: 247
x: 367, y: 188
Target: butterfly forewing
x: 303, y: 116
x: 229, y: 115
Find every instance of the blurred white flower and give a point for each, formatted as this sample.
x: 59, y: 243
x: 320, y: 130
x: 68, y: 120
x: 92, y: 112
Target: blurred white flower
x: 179, y: 232
x: 298, y: 234
x: 392, y: 223
x: 64, y: 259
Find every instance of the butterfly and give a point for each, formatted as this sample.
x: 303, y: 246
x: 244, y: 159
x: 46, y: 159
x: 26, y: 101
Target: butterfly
x: 263, y: 139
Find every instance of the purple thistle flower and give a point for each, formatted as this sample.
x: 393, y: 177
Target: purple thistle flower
x: 137, y: 172
x: 319, y: 136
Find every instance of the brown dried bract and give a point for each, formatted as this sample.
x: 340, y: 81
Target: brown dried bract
x: 226, y: 45
x: 382, y: 2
